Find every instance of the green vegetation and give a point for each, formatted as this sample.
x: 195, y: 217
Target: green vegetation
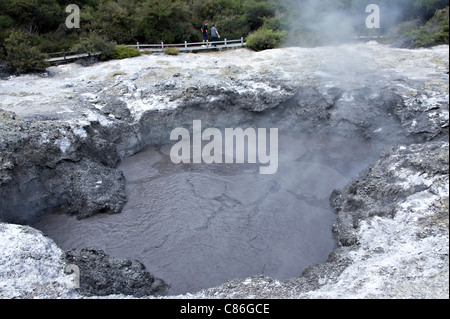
x: 434, y: 32
x: 416, y: 33
x: 21, y: 57
x: 92, y: 43
x: 122, y: 52
x: 171, y: 51
x: 264, y: 23
x: 264, y: 39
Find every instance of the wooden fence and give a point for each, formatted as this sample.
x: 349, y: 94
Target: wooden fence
x: 191, y: 47
x: 70, y: 56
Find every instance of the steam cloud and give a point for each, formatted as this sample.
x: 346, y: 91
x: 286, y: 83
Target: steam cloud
x: 329, y: 22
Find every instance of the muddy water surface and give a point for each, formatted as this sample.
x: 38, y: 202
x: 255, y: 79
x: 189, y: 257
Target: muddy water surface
x: 197, y: 226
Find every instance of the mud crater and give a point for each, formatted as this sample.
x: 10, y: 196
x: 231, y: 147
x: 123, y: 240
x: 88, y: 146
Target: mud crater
x: 197, y: 225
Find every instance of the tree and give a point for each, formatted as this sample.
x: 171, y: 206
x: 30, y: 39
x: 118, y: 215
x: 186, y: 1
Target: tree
x: 427, y: 8
x: 116, y: 20
x: 166, y: 21
x: 34, y: 15
x: 255, y: 11
x: 92, y: 43
x: 21, y: 57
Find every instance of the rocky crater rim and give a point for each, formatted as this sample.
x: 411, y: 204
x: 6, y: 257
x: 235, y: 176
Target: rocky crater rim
x: 67, y: 160
x: 71, y: 166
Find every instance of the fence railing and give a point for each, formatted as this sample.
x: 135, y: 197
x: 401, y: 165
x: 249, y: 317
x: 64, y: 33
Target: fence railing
x: 68, y: 56
x: 193, y: 46
x: 63, y: 53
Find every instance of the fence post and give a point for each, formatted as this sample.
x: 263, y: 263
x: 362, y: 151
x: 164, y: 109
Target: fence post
x: 185, y: 45
x: 225, y: 42
x: 242, y: 41
x: 137, y: 46
x: 162, y: 46
x: 64, y: 54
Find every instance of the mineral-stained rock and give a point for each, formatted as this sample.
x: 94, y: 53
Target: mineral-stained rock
x: 400, y: 172
x: 101, y: 275
x: 47, y: 166
x: 31, y: 265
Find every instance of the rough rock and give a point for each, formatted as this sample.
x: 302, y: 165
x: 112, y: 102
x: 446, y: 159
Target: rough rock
x: 49, y: 166
x: 31, y: 265
x: 372, y: 114
x: 401, y: 172
x: 101, y: 275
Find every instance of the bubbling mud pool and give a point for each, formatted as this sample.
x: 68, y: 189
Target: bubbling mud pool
x: 197, y: 226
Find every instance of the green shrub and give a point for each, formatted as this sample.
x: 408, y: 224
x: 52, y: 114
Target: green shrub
x: 5, y: 21
x: 92, y: 44
x: 401, y: 34
x: 255, y: 11
x: 435, y: 31
x: 264, y: 39
x: 124, y: 52
x: 171, y: 51
x: 276, y: 23
x: 21, y: 57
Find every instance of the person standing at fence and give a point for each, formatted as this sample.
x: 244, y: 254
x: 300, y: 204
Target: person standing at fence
x: 215, y: 34
x: 205, y: 33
